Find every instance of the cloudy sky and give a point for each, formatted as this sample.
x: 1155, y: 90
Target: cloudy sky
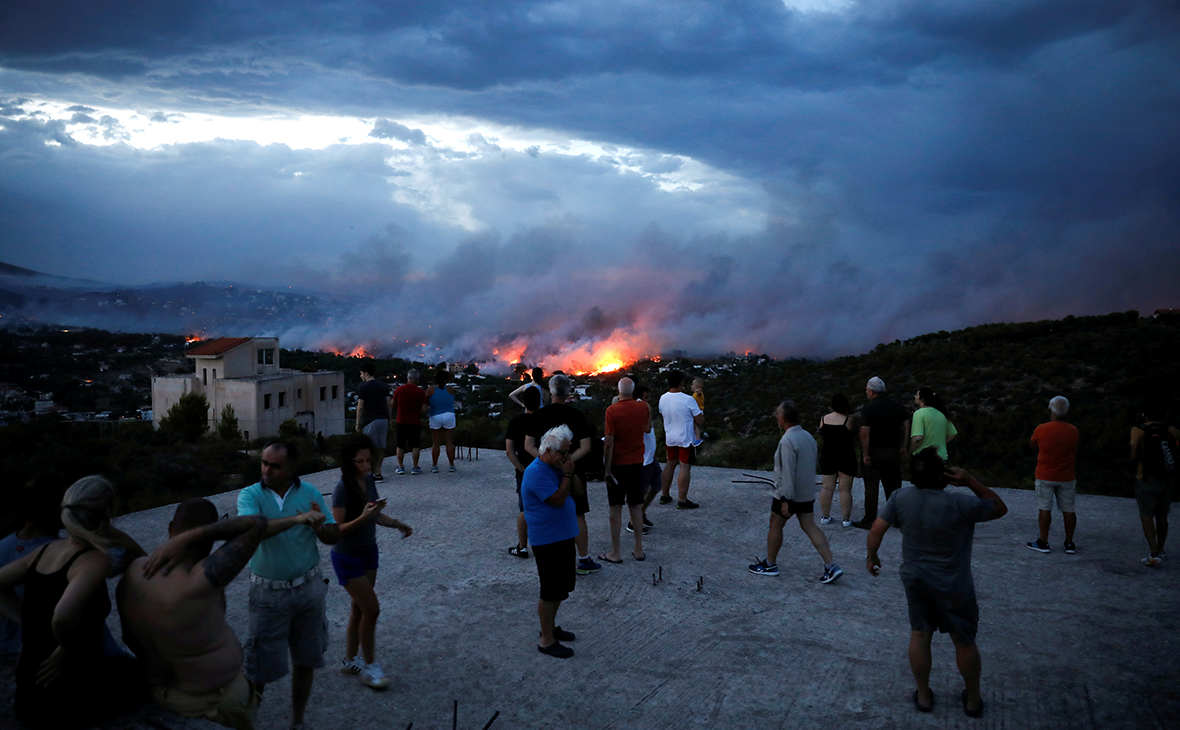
x: 805, y: 177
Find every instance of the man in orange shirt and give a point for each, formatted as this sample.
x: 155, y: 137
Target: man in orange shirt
x: 1057, y: 448
x: 622, y: 458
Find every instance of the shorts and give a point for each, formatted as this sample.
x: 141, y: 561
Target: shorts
x: 353, y: 565
x: 409, y: 436
x: 282, y: 620
x: 797, y: 508
x: 930, y: 610
x: 378, y: 432
x: 579, y: 495
x: 683, y: 454
x: 442, y: 420
x: 556, y: 568
x: 233, y: 705
x: 1154, y: 497
x: 652, y: 476
x: 519, y: 497
x: 1065, y: 492
x: 627, y: 487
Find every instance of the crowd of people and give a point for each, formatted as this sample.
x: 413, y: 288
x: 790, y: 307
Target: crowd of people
x: 185, y: 657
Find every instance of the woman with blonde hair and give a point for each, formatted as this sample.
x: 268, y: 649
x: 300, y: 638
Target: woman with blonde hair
x: 62, y: 679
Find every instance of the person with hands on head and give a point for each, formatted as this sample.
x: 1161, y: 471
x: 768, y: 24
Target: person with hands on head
x: 937, y: 530
x: 63, y: 681
x: 553, y: 525
x: 172, y: 607
x: 358, y: 509
x: 534, y: 384
x: 287, y: 590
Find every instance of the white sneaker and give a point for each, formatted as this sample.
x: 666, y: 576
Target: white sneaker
x: 847, y: 523
x: 351, y: 666
x: 373, y: 676
x: 824, y: 520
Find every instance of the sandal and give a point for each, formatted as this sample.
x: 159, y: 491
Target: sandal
x: 637, y: 558
x: 605, y: 559
x: 977, y: 712
x: 922, y: 708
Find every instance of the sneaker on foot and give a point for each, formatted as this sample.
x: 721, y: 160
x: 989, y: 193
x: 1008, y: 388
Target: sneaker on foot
x: 824, y: 520
x: 761, y: 568
x: 562, y: 635
x: 1161, y: 554
x: 400, y: 470
x: 847, y: 523
x: 586, y: 566
x: 452, y: 469
x: 520, y: 552
x: 373, y: 676
x: 378, y: 478
x: 632, y: 529
x: 1039, y: 545
x: 831, y: 575
x: 351, y: 666
x: 434, y: 470
x: 1070, y: 548
x: 415, y: 472
x: 665, y: 500
x: 647, y: 522
x: 687, y: 504
x: 557, y: 649
x: 1151, y: 561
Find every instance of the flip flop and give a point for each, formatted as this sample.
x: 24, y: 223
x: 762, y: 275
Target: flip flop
x: 920, y: 707
x: 977, y: 712
x: 637, y: 558
x: 605, y: 559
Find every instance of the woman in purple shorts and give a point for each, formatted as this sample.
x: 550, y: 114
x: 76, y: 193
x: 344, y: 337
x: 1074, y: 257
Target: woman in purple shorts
x: 356, y: 507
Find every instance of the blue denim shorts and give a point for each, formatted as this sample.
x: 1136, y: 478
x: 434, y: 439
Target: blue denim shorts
x: 353, y: 565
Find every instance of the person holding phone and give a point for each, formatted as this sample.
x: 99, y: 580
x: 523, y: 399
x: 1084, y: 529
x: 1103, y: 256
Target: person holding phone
x: 357, y: 508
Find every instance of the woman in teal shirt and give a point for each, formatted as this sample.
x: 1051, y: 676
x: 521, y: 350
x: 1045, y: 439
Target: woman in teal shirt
x: 931, y: 425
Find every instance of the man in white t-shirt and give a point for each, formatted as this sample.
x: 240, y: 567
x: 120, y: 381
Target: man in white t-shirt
x: 680, y: 413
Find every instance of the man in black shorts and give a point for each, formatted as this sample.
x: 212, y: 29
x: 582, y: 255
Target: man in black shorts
x: 937, y: 528
x: 622, y: 458
x: 794, y: 494
x: 560, y: 413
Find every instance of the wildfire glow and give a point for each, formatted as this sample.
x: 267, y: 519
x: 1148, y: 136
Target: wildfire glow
x: 586, y: 357
x: 192, y: 339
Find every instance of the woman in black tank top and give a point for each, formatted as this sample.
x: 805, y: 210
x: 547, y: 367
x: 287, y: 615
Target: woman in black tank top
x: 837, y: 461
x: 62, y: 678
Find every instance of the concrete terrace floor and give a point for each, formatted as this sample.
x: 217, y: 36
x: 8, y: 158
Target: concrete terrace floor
x: 1082, y: 641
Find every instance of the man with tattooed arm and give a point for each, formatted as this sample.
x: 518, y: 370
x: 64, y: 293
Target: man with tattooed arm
x: 172, y: 606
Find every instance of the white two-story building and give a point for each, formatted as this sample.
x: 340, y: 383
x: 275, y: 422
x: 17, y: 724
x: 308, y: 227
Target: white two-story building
x: 244, y: 372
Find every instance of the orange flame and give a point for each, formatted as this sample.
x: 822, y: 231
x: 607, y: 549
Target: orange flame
x: 607, y: 355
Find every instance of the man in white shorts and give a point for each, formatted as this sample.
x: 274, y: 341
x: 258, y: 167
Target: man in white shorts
x: 1057, y: 449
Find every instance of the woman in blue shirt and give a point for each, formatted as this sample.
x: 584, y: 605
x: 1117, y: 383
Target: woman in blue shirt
x: 441, y: 398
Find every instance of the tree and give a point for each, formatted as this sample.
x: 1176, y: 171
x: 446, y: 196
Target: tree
x: 227, y: 427
x: 471, y: 369
x: 290, y: 429
x: 189, y: 418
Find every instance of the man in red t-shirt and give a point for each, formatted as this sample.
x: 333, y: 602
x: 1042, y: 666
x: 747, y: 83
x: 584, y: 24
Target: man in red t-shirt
x: 1057, y: 448
x: 622, y: 459
x: 409, y: 400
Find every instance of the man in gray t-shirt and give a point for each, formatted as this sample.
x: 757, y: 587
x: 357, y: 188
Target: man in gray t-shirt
x: 937, y: 529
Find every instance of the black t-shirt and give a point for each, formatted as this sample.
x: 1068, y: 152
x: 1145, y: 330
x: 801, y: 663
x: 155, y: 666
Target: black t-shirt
x: 558, y: 414
x: 517, y: 430
x: 373, y: 394
x: 884, y: 417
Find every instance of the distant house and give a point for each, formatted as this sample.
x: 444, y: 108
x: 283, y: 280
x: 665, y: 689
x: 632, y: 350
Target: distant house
x: 244, y: 372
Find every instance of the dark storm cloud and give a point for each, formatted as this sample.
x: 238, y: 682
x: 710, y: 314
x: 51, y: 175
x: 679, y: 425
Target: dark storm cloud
x: 925, y: 165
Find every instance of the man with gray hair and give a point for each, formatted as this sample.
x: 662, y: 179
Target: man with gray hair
x: 794, y: 494
x: 883, y: 438
x: 409, y: 400
x: 553, y: 525
x: 1057, y: 447
x: 560, y: 413
x: 622, y: 457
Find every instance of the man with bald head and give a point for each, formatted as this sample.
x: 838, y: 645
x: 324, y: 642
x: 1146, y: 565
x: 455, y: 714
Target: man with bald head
x: 622, y: 458
x: 172, y: 606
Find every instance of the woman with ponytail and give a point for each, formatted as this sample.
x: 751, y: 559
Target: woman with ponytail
x: 356, y: 507
x: 63, y: 680
x: 931, y: 424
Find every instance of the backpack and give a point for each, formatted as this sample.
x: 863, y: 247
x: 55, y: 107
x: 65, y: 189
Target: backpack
x: 1160, y: 450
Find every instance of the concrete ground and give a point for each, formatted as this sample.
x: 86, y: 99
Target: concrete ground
x: 1082, y: 641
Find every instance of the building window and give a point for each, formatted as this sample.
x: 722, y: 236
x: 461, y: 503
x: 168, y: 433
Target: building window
x: 266, y: 401
x: 282, y: 398
x: 299, y: 394
x: 215, y: 373
x: 335, y: 392
x: 266, y: 356
x: 323, y: 393
x: 204, y: 376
